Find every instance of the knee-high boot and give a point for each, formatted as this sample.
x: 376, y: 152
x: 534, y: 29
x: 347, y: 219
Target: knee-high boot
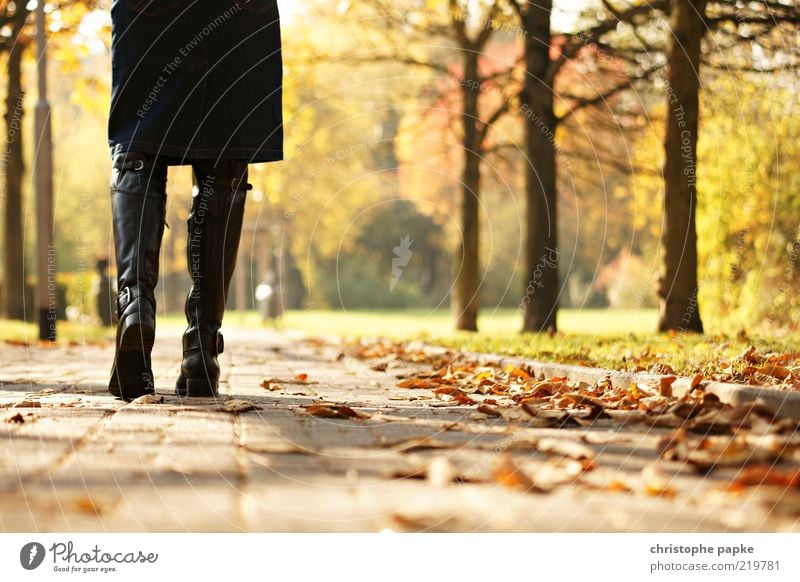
x: 215, y: 226
x: 138, y: 202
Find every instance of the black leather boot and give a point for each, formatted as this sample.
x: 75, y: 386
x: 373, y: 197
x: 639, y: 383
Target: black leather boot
x: 215, y: 226
x: 138, y: 203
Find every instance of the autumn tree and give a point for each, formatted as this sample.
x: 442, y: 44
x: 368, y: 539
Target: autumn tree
x: 729, y: 22
x: 545, y: 56
x: 468, y: 28
x: 13, y: 17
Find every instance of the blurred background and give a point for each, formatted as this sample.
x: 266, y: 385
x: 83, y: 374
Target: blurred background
x: 419, y: 150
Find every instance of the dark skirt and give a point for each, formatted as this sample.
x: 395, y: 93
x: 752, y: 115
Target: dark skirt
x: 197, y: 79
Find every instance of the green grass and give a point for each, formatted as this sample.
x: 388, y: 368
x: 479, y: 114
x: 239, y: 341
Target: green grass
x: 397, y: 324
x: 497, y: 323
x: 66, y: 331
x: 616, y: 339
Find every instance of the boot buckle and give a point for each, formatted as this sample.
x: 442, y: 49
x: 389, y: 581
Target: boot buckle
x: 219, y: 343
x: 123, y: 299
x: 127, y: 295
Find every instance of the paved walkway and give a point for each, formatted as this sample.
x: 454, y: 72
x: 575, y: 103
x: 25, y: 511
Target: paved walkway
x: 72, y: 458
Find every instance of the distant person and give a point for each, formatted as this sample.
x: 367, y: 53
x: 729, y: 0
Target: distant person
x: 103, y: 292
x: 195, y: 82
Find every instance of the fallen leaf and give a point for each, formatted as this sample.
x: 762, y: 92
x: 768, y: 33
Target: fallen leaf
x: 561, y: 471
x: 330, y: 410
x: 515, y: 372
x: 488, y: 410
x: 301, y: 378
x: 16, y: 419
x: 148, y: 399
x: 294, y: 380
x: 88, y: 505
x: 564, y: 447
x: 270, y: 384
x: 456, y: 394
x: 28, y: 404
x: 766, y: 474
x: 507, y: 473
x: 665, y: 386
x: 418, y: 444
x: 779, y: 372
x: 717, y: 451
x: 751, y: 356
x: 417, y: 383
x: 656, y: 483
x: 237, y: 406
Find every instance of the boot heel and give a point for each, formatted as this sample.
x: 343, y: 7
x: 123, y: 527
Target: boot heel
x: 198, y: 388
x: 139, y: 334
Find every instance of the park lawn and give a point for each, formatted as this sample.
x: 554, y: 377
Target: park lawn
x: 613, y: 339
x: 66, y: 331
x: 605, y: 338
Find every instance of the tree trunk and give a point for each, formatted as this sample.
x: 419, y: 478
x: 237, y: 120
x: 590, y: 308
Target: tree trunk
x: 467, y: 282
x: 540, y: 296
x: 13, y: 258
x: 678, y: 285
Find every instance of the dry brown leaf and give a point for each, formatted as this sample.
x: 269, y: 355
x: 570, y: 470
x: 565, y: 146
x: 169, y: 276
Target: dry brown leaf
x: 294, y: 380
x: 563, y: 402
x: 779, y: 372
x: 545, y: 389
x: 330, y: 410
x: 456, y: 394
x: 561, y: 471
x: 88, y: 505
x: 16, y: 419
x: 27, y: 404
x: 148, y: 399
x: 515, y: 372
x: 766, y: 474
x: 665, y: 386
x: 270, y: 384
x: 716, y: 451
x: 750, y: 355
x: 564, y: 447
x: 667, y: 420
x: 656, y: 483
x: 420, y: 443
x: 417, y: 383
x: 237, y: 406
x: 488, y: 410
x: 507, y: 473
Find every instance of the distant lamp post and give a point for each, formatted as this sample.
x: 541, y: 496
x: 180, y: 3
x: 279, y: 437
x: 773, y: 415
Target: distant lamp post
x: 45, y: 251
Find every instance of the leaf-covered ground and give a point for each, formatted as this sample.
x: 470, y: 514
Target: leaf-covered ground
x: 735, y: 359
x: 707, y: 434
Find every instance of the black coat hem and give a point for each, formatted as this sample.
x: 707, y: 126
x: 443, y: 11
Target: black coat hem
x: 188, y: 155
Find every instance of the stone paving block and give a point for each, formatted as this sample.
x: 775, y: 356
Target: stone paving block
x: 178, y: 504
x: 199, y: 458
x: 58, y: 507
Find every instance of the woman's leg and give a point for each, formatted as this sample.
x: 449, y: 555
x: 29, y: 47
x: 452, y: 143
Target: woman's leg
x: 138, y: 204
x: 215, y: 226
